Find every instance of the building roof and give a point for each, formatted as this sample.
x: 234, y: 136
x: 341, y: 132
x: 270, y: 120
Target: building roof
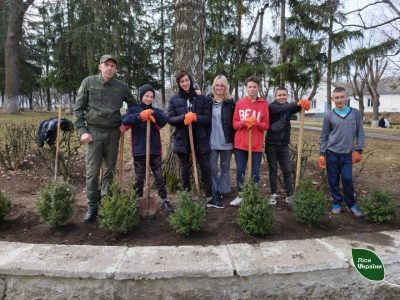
x: 387, y: 86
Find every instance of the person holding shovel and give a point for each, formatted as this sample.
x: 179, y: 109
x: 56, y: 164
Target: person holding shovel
x: 277, y: 141
x: 341, y: 145
x: 137, y: 117
x: 98, y: 121
x: 250, y: 120
x: 188, y: 109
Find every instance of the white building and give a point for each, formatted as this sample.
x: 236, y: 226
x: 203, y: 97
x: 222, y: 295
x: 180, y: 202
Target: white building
x: 389, y: 91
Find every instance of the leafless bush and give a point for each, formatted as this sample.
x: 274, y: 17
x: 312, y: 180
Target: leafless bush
x: 16, y: 144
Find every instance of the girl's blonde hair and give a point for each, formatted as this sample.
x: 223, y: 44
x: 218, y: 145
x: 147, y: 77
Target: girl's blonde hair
x: 224, y: 81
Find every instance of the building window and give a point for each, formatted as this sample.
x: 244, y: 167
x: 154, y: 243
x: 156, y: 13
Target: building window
x: 313, y: 103
x: 369, y: 103
x: 348, y: 102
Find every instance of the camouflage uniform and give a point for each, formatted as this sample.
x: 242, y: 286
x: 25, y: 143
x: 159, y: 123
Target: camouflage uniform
x: 97, y: 111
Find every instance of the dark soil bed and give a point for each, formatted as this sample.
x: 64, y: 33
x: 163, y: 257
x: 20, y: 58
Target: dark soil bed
x: 24, y: 225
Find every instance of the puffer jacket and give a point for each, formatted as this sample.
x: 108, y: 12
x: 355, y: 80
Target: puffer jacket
x: 138, y: 132
x: 178, y: 106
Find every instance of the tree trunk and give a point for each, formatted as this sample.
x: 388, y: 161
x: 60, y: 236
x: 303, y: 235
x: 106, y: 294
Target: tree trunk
x: 12, y: 52
x: 329, y: 62
x: 190, y: 38
x: 163, y: 96
x: 282, y: 40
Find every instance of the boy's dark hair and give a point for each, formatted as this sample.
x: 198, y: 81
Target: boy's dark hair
x: 281, y: 88
x: 339, y: 89
x: 253, y: 78
x: 180, y: 75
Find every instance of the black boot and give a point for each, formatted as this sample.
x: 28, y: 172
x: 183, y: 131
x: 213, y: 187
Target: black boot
x: 166, y: 207
x: 90, y: 215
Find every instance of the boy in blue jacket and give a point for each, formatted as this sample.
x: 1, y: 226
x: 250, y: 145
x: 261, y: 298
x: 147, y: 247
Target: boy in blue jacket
x: 137, y: 117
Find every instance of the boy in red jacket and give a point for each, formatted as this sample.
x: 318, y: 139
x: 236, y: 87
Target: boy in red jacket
x: 250, y: 113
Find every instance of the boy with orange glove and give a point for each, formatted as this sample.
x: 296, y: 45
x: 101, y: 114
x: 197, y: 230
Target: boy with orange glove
x: 277, y: 141
x: 342, y: 142
x: 250, y: 113
x: 137, y: 117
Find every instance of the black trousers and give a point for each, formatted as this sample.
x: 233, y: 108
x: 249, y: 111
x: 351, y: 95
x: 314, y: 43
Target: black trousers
x: 279, y: 154
x: 204, y: 162
x: 140, y: 172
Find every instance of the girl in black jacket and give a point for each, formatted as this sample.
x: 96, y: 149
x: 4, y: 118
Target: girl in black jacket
x: 189, y: 108
x: 221, y: 139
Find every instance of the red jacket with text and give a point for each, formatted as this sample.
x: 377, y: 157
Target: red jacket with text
x: 244, y: 109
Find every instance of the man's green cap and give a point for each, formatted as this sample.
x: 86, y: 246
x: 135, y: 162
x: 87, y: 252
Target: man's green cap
x: 108, y: 57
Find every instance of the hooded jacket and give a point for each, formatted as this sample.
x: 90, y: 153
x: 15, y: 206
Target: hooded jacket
x: 179, y: 105
x: 244, y: 109
x: 138, y: 132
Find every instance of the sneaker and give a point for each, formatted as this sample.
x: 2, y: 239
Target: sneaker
x: 166, y: 207
x: 289, y: 199
x: 272, y: 199
x: 356, y: 210
x: 216, y: 201
x: 236, y: 202
x: 336, y: 208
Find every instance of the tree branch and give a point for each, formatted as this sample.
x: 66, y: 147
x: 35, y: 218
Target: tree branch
x: 369, y: 27
x: 394, y: 8
x: 362, y: 8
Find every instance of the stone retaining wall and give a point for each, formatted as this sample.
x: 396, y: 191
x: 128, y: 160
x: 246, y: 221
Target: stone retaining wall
x: 314, y: 268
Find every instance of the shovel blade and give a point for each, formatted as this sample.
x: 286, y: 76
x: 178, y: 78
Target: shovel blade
x: 148, y: 207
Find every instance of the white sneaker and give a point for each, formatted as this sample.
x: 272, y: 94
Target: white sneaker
x: 272, y: 199
x: 236, y: 202
x: 289, y: 200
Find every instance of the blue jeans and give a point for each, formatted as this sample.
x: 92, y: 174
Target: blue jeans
x: 241, y: 163
x: 221, y: 183
x: 340, y: 166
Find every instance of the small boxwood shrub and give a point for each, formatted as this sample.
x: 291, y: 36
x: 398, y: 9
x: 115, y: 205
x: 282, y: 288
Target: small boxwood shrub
x: 189, y: 215
x: 310, y: 204
x: 5, y: 206
x: 56, y: 203
x: 119, y: 211
x: 379, y: 206
x: 256, y: 216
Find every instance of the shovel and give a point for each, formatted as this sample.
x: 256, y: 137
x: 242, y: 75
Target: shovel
x: 249, y: 156
x: 147, y: 205
x: 57, y: 143
x: 196, y: 178
x: 299, y: 150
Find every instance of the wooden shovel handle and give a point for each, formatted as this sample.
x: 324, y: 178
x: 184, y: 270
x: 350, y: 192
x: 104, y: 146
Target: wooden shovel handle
x: 249, y: 155
x: 299, y: 149
x: 57, y: 142
x: 121, y: 157
x: 196, y: 179
x: 147, y: 192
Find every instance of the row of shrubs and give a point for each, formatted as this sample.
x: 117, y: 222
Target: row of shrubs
x: 119, y: 212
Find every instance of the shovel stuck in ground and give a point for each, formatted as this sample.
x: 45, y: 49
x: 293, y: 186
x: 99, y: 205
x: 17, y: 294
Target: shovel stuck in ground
x: 147, y: 204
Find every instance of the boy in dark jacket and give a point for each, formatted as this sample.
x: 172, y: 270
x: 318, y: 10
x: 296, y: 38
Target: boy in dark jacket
x: 277, y: 141
x: 137, y: 117
x: 189, y: 108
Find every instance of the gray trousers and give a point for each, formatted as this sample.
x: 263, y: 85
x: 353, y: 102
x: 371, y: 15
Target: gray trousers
x: 221, y: 175
x: 102, y: 151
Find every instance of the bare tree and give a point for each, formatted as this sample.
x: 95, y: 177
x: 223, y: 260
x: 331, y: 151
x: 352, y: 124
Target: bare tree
x: 375, y: 67
x: 12, y: 54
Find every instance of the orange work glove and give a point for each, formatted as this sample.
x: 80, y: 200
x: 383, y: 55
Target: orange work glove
x: 250, y: 122
x: 190, y: 117
x: 145, y: 114
x: 357, y: 157
x: 322, y: 162
x: 304, y: 104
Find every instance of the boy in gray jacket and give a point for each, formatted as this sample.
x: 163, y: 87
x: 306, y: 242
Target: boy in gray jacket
x: 342, y: 142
